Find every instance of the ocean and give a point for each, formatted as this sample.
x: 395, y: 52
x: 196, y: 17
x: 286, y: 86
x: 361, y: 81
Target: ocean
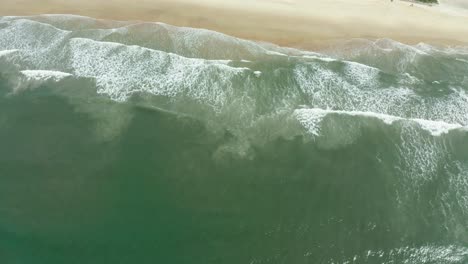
x: 132, y: 142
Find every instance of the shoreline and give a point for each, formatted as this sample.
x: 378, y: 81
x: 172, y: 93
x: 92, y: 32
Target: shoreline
x: 291, y: 23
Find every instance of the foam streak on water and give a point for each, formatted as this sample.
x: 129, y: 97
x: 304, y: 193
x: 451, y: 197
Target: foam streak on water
x: 310, y: 117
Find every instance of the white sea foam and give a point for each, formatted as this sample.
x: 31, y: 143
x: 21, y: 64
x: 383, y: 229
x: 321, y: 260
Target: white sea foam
x: 186, y: 41
x: 121, y: 70
x: 436, y: 128
x: 454, y: 200
x: 311, y: 118
x: 7, y: 52
x: 359, y: 89
x: 353, y: 91
x: 32, y: 79
x: 43, y: 75
x: 321, y: 58
x: 39, y: 43
x: 361, y: 74
x: 425, y: 254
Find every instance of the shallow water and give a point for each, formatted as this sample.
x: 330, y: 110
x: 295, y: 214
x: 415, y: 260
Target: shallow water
x: 132, y: 142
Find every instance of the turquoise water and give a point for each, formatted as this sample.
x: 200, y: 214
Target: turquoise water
x: 125, y: 142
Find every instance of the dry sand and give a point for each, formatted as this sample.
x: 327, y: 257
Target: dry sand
x: 297, y: 23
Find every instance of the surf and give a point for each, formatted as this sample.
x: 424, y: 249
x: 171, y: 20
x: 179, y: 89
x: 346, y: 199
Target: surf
x: 151, y: 93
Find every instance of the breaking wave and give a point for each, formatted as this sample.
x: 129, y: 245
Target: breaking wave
x: 409, y: 100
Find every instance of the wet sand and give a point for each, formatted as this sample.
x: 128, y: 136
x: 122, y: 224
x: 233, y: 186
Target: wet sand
x: 296, y: 23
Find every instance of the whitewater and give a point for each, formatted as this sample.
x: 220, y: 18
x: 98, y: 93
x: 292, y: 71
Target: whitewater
x: 377, y: 129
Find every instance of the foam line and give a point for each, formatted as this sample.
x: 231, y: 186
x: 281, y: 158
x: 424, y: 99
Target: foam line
x: 43, y: 75
x: 7, y: 52
x: 311, y: 117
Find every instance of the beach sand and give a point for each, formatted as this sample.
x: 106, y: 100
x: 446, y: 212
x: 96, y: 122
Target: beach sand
x: 295, y: 23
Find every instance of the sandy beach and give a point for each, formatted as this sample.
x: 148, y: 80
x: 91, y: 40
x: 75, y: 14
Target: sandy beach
x: 297, y: 23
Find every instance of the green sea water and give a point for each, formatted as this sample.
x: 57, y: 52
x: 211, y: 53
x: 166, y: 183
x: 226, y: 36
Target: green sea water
x: 130, y: 142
